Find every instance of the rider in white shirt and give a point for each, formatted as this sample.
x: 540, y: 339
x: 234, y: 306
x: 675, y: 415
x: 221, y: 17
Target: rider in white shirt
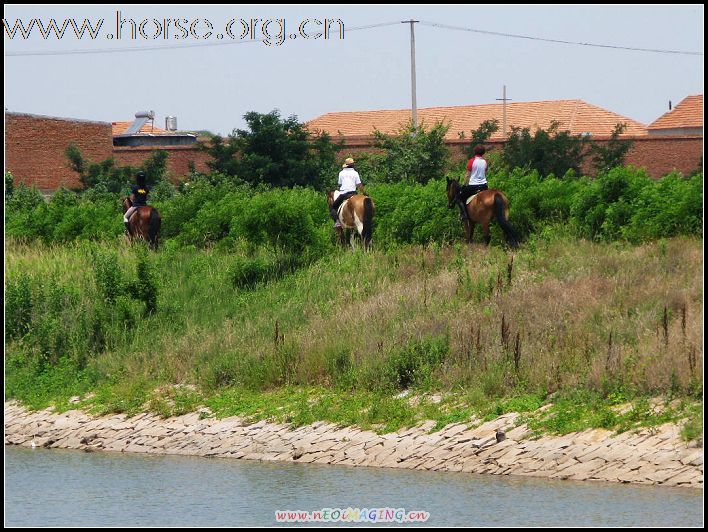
x: 477, y: 179
x: 349, y: 182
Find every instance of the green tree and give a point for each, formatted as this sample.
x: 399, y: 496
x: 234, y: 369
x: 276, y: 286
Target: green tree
x: 274, y: 151
x: 9, y: 185
x: 612, y: 154
x: 411, y: 154
x: 548, y: 151
x: 106, y: 176
x: 481, y: 135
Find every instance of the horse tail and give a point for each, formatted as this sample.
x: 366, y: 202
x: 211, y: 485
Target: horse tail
x: 501, y: 213
x: 154, y: 228
x: 368, y: 219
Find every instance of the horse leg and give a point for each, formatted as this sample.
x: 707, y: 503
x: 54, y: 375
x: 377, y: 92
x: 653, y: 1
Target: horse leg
x: 340, y: 235
x: 487, y: 234
x: 367, y: 243
x: 469, y: 230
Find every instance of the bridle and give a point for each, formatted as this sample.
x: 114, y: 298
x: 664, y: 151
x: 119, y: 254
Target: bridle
x: 452, y: 189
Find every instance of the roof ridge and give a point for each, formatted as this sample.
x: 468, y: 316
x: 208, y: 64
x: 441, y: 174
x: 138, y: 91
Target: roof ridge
x: 615, y: 114
x: 684, y: 114
x: 575, y: 114
x: 406, y: 109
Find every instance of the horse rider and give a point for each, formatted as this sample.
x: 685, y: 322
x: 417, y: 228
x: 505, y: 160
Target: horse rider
x: 476, y: 178
x: 138, y: 198
x: 349, y: 182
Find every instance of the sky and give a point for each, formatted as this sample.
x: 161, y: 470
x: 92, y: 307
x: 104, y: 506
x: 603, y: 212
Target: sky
x: 212, y: 87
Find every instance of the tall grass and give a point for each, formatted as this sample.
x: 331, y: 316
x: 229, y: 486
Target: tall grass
x: 564, y: 314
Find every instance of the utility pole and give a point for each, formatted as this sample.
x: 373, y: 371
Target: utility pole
x: 504, y: 100
x: 414, y: 102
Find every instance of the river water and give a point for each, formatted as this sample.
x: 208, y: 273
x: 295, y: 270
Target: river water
x: 74, y: 488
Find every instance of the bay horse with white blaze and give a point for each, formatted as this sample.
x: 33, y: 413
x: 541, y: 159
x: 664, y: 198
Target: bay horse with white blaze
x: 485, y: 205
x: 144, y: 223
x: 355, y: 214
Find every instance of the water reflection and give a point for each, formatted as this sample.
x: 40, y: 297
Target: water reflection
x: 59, y: 487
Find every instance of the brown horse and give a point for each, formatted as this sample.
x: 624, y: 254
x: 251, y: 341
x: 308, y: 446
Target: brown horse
x: 485, y: 205
x: 356, y: 213
x: 144, y: 223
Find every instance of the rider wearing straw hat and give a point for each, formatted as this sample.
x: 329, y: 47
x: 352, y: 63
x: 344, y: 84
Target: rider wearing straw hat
x: 349, y: 182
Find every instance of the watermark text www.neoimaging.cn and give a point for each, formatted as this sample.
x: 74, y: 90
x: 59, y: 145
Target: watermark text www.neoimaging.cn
x: 270, y: 31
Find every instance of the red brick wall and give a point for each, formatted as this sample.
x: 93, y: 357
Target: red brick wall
x: 659, y: 155
x: 35, y: 145
x: 178, y: 158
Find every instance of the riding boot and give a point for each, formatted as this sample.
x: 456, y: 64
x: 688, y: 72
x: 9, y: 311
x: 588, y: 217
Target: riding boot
x: 463, y: 209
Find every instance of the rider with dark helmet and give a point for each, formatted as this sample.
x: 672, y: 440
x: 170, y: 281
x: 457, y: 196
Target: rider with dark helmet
x: 138, y: 198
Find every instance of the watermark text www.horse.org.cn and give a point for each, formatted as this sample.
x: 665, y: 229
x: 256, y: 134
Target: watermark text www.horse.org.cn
x: 270, y: 31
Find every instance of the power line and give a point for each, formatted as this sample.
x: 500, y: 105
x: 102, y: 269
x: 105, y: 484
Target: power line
x: 557, y: 41
x: 356, y: 28
x: 346, y: 30
x: 170, y: 47
x: 133, y: 49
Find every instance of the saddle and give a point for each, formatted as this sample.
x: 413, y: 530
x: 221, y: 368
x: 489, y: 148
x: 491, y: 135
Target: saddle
x: 339, y: 209
x: 335, y: 195
x: 470, y: 198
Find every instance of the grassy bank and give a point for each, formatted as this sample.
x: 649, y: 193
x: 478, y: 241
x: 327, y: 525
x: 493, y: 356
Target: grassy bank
x: 587, y: 325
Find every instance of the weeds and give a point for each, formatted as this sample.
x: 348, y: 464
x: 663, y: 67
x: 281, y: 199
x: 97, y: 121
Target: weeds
x: 356, y: 324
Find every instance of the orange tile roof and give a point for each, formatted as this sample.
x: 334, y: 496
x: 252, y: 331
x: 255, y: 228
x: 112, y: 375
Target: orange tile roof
x: 119, y: 128
x: 575, y: 116
x: 688, y: 113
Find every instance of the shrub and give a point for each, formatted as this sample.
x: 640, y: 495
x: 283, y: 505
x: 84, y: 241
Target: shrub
x: 415, y: 363
x: 182, y: 209
x: 145, y: 286
x: 626, y: 203
x: 21, y: 197
x: 413, y: 214
x: 278, y: 219
x: 411, y: 155
x: 105, y: 176
x: 247, y: 272
x: 548, y: 151
x: 18, y: 306
x: 612, y: 154
x: 275, y: 151
x: 481, y: 135
x: 109, y: 277
x: 9, y: 185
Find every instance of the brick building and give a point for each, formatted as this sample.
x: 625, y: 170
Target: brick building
x: 684, y: 119
x: 35, y: 149
x: 673, y: 142
x: 35, y: 145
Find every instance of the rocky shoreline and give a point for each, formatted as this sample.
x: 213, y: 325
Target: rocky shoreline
x: 654, y: 456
